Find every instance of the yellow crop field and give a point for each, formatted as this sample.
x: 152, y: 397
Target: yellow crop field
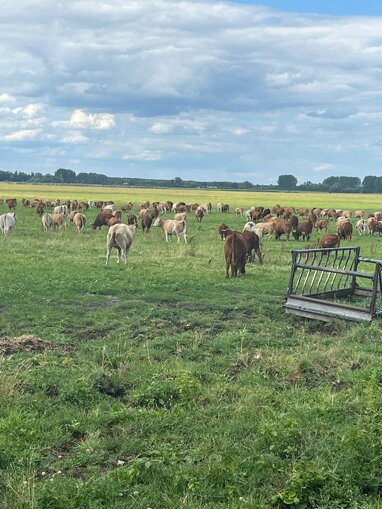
x: 234, y: 198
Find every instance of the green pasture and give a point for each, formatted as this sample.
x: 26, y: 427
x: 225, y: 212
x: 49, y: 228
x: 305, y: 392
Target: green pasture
x: 164, y: 385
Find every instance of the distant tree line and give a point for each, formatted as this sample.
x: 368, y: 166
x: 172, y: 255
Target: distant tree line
x: 288, y: 182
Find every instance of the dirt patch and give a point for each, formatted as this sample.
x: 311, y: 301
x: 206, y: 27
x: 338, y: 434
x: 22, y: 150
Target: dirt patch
x: 27, y: 343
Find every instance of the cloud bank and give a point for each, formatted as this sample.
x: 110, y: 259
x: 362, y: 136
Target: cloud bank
x: 203, y: 90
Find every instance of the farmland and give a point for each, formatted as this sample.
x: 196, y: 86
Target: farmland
x: 162, y: 384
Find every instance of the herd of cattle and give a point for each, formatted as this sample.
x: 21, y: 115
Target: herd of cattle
x: 239, y: 247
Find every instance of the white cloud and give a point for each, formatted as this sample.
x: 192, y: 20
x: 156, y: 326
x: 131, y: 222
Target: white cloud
x: 146, y: 155
x: 26, y: 134
x: 30, y: 110
x: 6, y: 98
x: 324, y: 167
x: 101, y: 121
x: 75, y: 138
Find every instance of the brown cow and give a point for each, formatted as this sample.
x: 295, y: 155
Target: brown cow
x: 11, y: 202
x: 113, y: 220
x: 146, y: 222
x: 345, y: 231
x: 132, y: 219
x: 199, y: 214
x: 102, y: 219
x: 304, y: 230
x: 235, y: 252
x: 282, y: 228
x: 253, y: 245
x: 222, y: 229
x: 322, y: 224
x: 329, y: 240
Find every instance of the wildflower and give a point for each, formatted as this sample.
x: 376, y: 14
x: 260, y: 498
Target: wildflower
x: 120, y: 462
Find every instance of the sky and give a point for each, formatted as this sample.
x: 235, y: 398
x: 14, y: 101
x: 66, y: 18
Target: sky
x: 202, y: 90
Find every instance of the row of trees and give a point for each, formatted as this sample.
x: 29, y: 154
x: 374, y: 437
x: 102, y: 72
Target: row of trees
x: 370, y: 184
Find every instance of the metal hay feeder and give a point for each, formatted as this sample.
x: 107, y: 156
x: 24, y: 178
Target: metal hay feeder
x: 326, y: 284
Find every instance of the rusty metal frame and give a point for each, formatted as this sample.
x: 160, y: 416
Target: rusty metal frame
x: 323, y: 281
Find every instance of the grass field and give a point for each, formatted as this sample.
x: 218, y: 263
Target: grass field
x: 164, y: 385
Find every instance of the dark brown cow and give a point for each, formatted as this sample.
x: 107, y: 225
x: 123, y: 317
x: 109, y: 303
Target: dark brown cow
x: 222, y: 229
x: 132, y: 219
x: 235, y: 252
x: 224, y: 207
x: 304, y: 230
x: 102, y: 219
x: 11, y: 202
x: 40, y: 209
x: 98, y: 204
x: 199, y: 214
x: 253, y: 245
x: 345, y: 231
x: 146, y: 222
x: 330, y: 240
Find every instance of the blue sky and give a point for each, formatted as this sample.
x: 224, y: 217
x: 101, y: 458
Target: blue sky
x: 207, y: 90
x: 331, y: 7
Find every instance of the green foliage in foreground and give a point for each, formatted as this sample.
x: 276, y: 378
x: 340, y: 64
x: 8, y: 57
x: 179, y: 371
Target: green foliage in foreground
x: 164, y: 385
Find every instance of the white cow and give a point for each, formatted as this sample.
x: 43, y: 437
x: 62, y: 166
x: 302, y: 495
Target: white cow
x: 47, y: 221
x: 121, y: 237
x: 7, y: 222
x: 61, y: 209
x: 172, y: 227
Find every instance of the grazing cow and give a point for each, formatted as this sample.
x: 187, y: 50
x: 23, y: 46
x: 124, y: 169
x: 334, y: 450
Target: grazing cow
x: 172, y: 227
x: 345, y: 231
x: 127, y: 206
x: 282, y: 228
x: 7, y: 222
x: 11, y: 202
x: 224, y: 207
x: 235, y: 252
x: 375, y: 226
x: 322, y: 224
x: 98, y: 204
x: 61, y: 209
x: 265, y: 229
x: 239, y: 211
x: 362, y: 226
x: 303, y: 212
x: 121, y: 237
x: 58, y: 221
x: 180, y: 216
x: 360, y: 214
x: 330, y: 240
x: 288, y: 212
x: 347, y: 213
x: 40, y: 209
x: 113, y: 220
x: 199, y: 214
x: 72, y: 214
x: 253, y: 245
x: 304, y: 230
x: 146, y: 220
x: 249, y: 226
x: 47, y: 221
x: 132, y: 219
x: 110, y: 206
x: 222, y: 229
x: 102, y: 219
x: 79, y: 222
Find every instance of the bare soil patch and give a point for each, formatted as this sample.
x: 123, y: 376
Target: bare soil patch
x: 26, y: 343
